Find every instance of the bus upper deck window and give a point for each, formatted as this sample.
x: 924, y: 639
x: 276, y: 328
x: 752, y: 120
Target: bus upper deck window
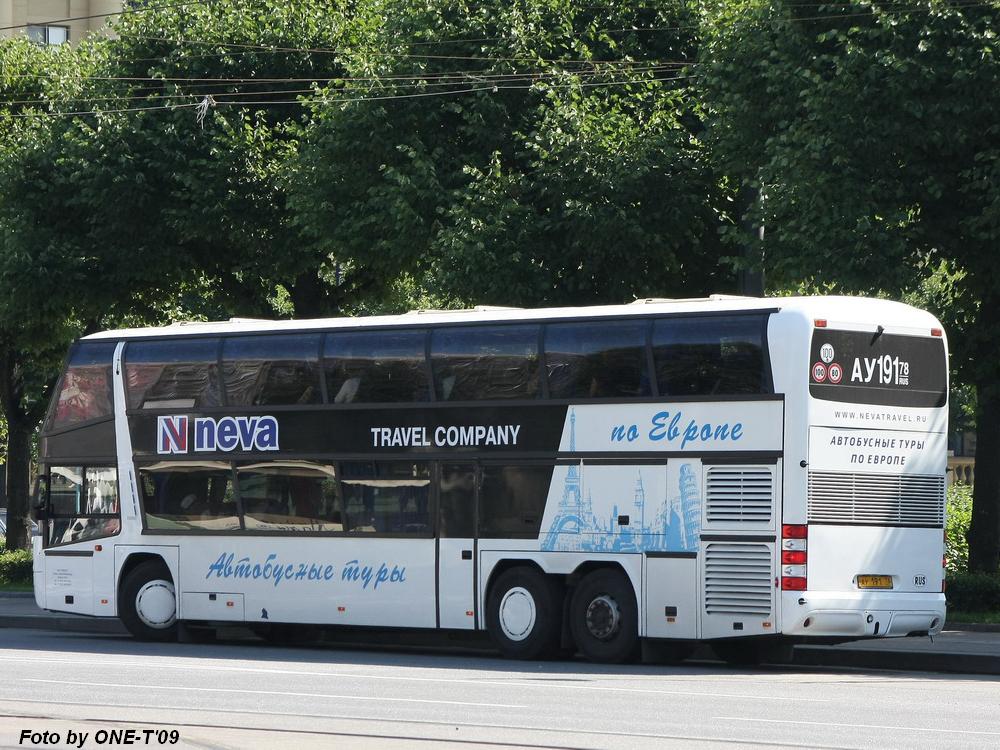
x: 178, y: 374
x: 709, y: 355
x: 599, y: 359
x: 474, y: 363
x: 263, y: 370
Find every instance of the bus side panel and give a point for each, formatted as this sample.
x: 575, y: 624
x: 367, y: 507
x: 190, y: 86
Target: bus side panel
x: 343, y: 581
x: 671, y: 597
x: 69, y: 581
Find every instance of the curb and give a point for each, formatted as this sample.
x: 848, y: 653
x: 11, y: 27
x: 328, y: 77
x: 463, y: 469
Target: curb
x: 909, y: 661
x: 973, y: 627
x: 17, y: 595
x: 93, y: 625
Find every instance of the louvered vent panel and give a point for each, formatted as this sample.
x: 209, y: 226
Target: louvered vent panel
x: 738, y: 579
x: 739, y: 494
x: 878, y: 499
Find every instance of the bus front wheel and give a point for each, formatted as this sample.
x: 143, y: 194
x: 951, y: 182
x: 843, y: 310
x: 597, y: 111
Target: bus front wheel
x: 522, y: 614
x: 147, y: 604
x: 604, y: 618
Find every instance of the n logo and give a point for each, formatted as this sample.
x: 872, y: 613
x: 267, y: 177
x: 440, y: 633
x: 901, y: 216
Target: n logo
x: 171, y: 434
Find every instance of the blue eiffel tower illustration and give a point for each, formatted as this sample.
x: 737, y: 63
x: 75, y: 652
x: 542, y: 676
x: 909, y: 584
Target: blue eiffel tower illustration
x: 574, y: 516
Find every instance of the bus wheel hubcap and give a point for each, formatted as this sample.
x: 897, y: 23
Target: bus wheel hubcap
x: 156, y: 604
x: 603, y: 617
x: 517, y: 613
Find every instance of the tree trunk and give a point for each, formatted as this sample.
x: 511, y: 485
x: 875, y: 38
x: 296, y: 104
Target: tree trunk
x: 18, y: 483
x: 984, y: 532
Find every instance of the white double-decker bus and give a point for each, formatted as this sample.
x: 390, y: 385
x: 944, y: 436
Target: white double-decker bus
x: 738, y: 471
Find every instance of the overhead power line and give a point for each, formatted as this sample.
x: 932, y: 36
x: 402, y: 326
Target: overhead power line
x: 201, y: 87
x: 326, y: 101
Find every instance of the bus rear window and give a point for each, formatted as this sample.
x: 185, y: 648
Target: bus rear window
x: 85, y: 389
x: 870, y: 368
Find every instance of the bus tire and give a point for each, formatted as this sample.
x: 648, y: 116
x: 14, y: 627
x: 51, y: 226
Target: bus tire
x: 522, y: 614
x: 147, y: 602
x: 604, y: 617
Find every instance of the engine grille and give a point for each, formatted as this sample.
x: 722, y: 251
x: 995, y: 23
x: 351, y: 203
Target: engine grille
x: 739, y: 494
x: 738, y: 579
x: 876, y: 499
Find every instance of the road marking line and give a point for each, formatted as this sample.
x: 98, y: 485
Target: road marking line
x: 857, y: 726
x: 272, y: 692
x: 445, y: 680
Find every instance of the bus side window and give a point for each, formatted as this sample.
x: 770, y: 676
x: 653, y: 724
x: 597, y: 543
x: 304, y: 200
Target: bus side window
x: 265, y: 370
x: 473, y: 363
x: 85, y: 388
x: 376, y: 367
x: 187, y: 496
x: 386, y: 497
x: 600, y: 359
x: 290, y: 497
x: 709, y: 355
x: 180, y: 374
x: 512, y: 500
x: 83, y: 504
x: 457, y: 495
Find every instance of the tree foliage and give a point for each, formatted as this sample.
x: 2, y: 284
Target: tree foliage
x: 866, y: 131
x: 519, y: 153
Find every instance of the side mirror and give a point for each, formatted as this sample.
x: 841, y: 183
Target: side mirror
x: 40, y: 499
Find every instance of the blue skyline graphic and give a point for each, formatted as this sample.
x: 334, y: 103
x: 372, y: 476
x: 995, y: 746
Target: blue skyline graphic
x: 674, y: 527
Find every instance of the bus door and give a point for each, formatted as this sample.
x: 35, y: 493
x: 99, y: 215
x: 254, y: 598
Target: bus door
x: 82, y: 507
x: 456, y: 566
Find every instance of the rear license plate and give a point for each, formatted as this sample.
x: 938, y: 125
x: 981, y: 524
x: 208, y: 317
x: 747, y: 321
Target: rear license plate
x: 874, y: 582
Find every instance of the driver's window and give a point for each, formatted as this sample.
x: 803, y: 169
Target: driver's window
x: 83, y: 504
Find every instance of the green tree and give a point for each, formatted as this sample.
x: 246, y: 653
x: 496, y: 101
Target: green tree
x: 519, y: 153
x: 31, y: 342
x: 866, y: 134
x: 145, y: 175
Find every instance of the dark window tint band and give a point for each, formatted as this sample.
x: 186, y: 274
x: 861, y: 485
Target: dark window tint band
x: 691, y: 356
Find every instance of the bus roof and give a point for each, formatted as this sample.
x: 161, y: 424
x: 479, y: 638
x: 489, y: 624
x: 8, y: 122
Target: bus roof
x: 836, y: 308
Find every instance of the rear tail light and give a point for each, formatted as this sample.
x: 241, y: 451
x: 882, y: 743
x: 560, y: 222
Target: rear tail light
x: 937, y: 332
x: 794, y: 556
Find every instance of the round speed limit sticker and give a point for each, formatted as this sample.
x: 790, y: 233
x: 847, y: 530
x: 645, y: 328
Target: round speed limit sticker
x: 819, y: 372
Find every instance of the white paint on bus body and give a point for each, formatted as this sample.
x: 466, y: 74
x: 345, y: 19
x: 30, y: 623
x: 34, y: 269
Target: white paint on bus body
x: 877, y: 451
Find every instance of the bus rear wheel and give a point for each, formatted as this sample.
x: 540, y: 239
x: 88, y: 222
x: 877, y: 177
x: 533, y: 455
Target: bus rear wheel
x: 522, y: 614
x: 604, y: 617
x: 147, y: 603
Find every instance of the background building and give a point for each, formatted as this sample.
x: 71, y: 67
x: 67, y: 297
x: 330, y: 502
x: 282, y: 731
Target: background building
x: 45, y: 20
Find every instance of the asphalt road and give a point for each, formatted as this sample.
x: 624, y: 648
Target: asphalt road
x: 249, y: 695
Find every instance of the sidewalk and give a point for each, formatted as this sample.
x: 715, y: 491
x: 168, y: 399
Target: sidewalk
x: 968, y: 651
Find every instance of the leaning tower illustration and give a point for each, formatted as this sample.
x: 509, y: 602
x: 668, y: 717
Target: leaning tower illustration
x: 690, y: 510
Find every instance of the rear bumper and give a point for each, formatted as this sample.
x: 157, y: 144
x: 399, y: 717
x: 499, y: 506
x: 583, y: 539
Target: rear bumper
x: 861, y: 614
